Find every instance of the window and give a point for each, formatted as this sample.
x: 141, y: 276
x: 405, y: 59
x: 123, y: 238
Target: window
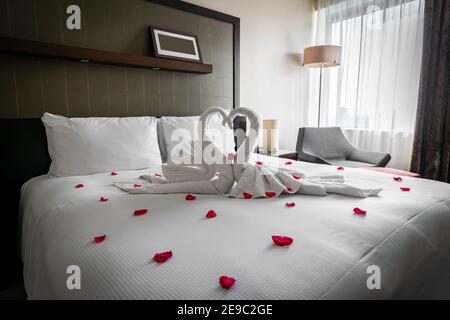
x: 373, y: 94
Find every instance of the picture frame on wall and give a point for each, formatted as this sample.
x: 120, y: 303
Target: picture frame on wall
x: 175, y: 45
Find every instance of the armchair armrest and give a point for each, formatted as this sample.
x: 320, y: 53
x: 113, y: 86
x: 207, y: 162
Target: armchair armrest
x: 302, y: 156
x: 378, y: 159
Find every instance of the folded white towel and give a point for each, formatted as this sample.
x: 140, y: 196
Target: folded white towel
x: 256, y: 180
x: 264, y: 181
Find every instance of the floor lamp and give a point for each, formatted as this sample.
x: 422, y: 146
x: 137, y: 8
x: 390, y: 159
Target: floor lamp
x: 321, y: 57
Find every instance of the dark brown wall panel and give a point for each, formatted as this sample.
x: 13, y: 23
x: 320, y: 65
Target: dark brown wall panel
x: 118, y: 91
x: 166, y: 91
x: 49, y: 21
x: 94, y: 20
x: 77, y: 38
x: 151, y: 90
x: 136, y: 94
x: 98, y: 90
x: 54, y: 86
x: 22, y: 18
x: 78, y: 94
x: 30, y: 86
x: 28, y: 81
x: 180, y: 103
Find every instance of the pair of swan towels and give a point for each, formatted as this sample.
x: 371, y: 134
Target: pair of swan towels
x: 235, y: 176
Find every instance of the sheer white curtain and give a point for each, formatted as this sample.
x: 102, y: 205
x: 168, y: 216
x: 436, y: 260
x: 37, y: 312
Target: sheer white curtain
x: 373, y: 94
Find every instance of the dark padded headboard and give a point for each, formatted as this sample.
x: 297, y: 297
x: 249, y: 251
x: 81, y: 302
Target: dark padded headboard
x: 24, y: 155
x: 24, y: 149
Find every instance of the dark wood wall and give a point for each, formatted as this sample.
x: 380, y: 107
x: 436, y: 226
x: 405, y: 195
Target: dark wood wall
x: 30, y: 86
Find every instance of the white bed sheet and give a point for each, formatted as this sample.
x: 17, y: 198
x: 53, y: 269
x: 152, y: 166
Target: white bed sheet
x: 407, y: 234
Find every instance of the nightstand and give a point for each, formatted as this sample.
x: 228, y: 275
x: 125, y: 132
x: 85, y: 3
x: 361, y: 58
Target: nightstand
x: 286, y: 154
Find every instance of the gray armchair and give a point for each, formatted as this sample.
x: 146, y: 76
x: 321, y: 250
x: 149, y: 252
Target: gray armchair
x: 330, y: 146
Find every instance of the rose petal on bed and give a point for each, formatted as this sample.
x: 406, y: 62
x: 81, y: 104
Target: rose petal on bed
x: 136, y: 185
x: 140, y: 212
x: 288, y: 163
x: 404, y: 189
x: 102, y: 199
x: 290, y: 204
x: 211, y: 214
x: 296, y: 176
x: 289, y: 189
x: 100, y: 239
x: 158, y: 175
x: 190, y: 197
x: 226, y: 282
x: 80, y: 185
x: 259, y: 163
x: 114, y: 173
x: 359, y: 211
x: 162, y: 257
x: 340, y: 168
x: 398, y: 179
x: 282, y: 240
x: 270, y: 194
x: 247, y: 195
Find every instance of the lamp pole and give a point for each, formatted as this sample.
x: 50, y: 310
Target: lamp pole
x: 323, y: 56
x: 320, y: 98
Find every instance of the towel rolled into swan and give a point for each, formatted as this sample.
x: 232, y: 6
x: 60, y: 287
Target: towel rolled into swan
x: 237, y: 177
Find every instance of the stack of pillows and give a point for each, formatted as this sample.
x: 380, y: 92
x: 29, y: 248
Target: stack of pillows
x: 83, y: 146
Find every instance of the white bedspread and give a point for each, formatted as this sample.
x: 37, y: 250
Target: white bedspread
x: 406, y: 234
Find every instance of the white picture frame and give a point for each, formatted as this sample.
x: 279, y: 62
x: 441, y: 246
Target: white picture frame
x: 175, y: 45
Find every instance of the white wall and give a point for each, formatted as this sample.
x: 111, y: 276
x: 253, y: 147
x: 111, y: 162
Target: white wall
x: 273, y: 36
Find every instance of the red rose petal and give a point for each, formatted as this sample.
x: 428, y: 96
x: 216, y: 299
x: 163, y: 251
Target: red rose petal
x: 114, y: 173
x: 288, y: 163
x: 296, y: 176
x: 80, y: 185
x: 359, y: 211
x: 226, y: 282
x: 259, y: 163
x: 247, y: 195
x: 103, y: 199
x: 211, y: 214
x: 290, y: 204
x: 398, y: 179
x: 136, y: 185
x: 289, y: 189
x: 140, y: 212
x: 190, y: 197
x: 404, y: 189
x: 162, y: 256
x: 99, y: 239
x: 157, y: 175
x: 270, y: 194
x: 340, y: 168
x: 282, y: 240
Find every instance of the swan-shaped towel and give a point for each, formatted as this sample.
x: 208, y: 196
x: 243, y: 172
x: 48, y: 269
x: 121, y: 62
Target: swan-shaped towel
x: 235, y: 176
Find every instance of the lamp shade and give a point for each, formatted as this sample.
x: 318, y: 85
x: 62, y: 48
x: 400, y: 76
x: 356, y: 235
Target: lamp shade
x: 322, y: 56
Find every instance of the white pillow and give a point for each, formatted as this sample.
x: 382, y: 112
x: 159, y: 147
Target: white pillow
x: 81, y: 146
x: 173, y: 127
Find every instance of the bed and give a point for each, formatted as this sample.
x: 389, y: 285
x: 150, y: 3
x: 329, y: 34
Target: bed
x: 405, y: 234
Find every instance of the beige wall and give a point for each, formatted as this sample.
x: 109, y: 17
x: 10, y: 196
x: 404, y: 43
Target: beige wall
x: 273, y: 34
